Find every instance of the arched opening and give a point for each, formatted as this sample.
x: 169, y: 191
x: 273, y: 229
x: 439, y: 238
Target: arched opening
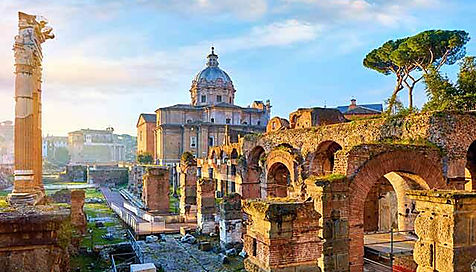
x: 255, y: 173
x: 213, y: 155
x: 234, y: 154
x: 321, y: 162
x: 377, y: 200
x: 278, y: 180
x: 221, y: 155
x: 470, y: 171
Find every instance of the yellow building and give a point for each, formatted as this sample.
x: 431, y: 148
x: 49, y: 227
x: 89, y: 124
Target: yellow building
x: 201, y: 124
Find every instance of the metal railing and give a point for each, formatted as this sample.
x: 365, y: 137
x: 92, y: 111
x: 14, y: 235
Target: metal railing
x: 135, y: 246
x: 390, y: 242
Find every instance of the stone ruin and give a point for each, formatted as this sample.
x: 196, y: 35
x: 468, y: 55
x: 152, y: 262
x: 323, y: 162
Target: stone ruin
x: 156, y: 189
x: 230, y: 221
x: 188, y: 187
x: 206, y: 206
x: 282, y: 236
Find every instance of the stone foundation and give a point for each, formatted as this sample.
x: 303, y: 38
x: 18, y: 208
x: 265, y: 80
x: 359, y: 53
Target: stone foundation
x: 206, y: 205
x: 446, y: 229
x: 281, y: 235
x: 231, y: 219
x: 156, y: 189
x: 34, y: 239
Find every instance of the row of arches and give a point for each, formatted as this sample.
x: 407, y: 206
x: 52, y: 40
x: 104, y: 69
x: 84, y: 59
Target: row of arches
x: 221, y: 154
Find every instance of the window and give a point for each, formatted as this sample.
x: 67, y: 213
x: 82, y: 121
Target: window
x: 233, y: 170
x: 210, y: 172
x: 212, y: 120
x: 259, y: 123
x: 228, y: 120
x: 230, y: 100
x: 193, y: 141
x: 199, y: 172
x: 140, y: 136
x: 254, y: 247
x: 204, y: 98
x: 233, y: 189
x: 211, y: 141
x: 218, y: 98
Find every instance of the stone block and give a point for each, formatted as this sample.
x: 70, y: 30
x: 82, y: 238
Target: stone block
x: 147, y: 267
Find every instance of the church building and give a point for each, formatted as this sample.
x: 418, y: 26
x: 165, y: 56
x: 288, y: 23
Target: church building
x: 211, y: 117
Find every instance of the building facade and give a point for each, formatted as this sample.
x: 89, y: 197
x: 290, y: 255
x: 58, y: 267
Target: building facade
x: 146, y: 134
x: 92, y: 146
x: 6, y: 142
x: 203, y: 123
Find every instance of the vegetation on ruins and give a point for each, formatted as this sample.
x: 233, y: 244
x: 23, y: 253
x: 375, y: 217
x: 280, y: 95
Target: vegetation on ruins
x: 145, y: 158
x: 410, y: 58
x: 445, y: 95
x: 187, y: 157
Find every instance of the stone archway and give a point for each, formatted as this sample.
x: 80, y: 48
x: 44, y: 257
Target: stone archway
x: 276, y: 161
x: 471, y: 167
x: 422, y: 167
x: 254, y: 173
x: 321, y: 161
x: 278, y: 180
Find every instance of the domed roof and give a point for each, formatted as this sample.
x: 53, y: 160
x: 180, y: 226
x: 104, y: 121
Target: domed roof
x: 212, y: 72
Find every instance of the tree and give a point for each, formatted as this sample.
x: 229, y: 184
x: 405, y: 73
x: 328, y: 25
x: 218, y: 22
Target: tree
x: 444, y: 95
x: 145, y: 158
x: 410, y: 58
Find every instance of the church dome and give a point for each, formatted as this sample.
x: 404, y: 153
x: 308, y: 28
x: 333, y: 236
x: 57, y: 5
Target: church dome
x: 212, y: 72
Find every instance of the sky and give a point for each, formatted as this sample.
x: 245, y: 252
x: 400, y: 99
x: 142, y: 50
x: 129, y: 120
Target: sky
x: 112, y: 60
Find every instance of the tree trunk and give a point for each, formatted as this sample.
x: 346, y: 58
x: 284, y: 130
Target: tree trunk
x: 410, y: 98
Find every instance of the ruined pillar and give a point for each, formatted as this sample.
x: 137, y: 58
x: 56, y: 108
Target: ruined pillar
x: 155, y: 190
x: 28, y: 185
x: 331, y: 201
x: 446, y: 229
x: 188, y: 186
x: 78, y: 217
x: 231, y: 218
x: 281, y: 236
x: 206, y: 205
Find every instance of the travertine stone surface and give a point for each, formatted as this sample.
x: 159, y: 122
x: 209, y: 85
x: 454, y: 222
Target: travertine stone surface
x: 281, y: 235
x: 28, y: 185
x: 78, y: 217
x: 446, y: 229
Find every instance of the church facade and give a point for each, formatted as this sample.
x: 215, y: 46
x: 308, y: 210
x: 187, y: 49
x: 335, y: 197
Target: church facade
x: 207, y: 121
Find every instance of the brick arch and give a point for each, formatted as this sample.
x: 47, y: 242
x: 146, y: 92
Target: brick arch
x: 276, y: 158
x: 427, y: 165
x: 471, y: 164
x: 251, y: 182
x: 321, y: 161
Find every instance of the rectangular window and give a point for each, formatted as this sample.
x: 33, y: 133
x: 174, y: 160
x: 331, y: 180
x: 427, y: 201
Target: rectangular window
x: 204, y: 98
x: 233, y: 189
x: 228, y: 120
x: 212, y: 120
x: 254, y: 247
x: 218, y: 98
x: 193, y: 141
x: 211, y: 141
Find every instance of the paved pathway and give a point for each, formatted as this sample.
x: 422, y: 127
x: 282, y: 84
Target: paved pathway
x: 174, y: 256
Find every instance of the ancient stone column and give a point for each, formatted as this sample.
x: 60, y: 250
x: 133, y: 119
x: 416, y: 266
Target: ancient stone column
x: 78, y: 218
x: 231, y: 218
x: 281, y: 236
x: 155, y: 190
x: 206, y: 205
x: 188, y: 187
x: 28, y: 185
x: 446, y: 229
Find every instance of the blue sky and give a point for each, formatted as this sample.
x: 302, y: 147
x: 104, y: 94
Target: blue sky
x: 112, y: 60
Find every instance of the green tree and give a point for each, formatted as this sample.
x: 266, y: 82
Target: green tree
x: 410, y: 58
x: 444, y: 95
x: 145, y: 158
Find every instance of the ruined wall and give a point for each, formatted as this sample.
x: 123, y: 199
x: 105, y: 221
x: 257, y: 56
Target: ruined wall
x: 446, y: 229
x: 281, y: 236
x: 188, y: 186
x: 156, y: 189
x: 34, y: 239
x: 206, y: 205
x: 230, y: 221
x: 108, y: 175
